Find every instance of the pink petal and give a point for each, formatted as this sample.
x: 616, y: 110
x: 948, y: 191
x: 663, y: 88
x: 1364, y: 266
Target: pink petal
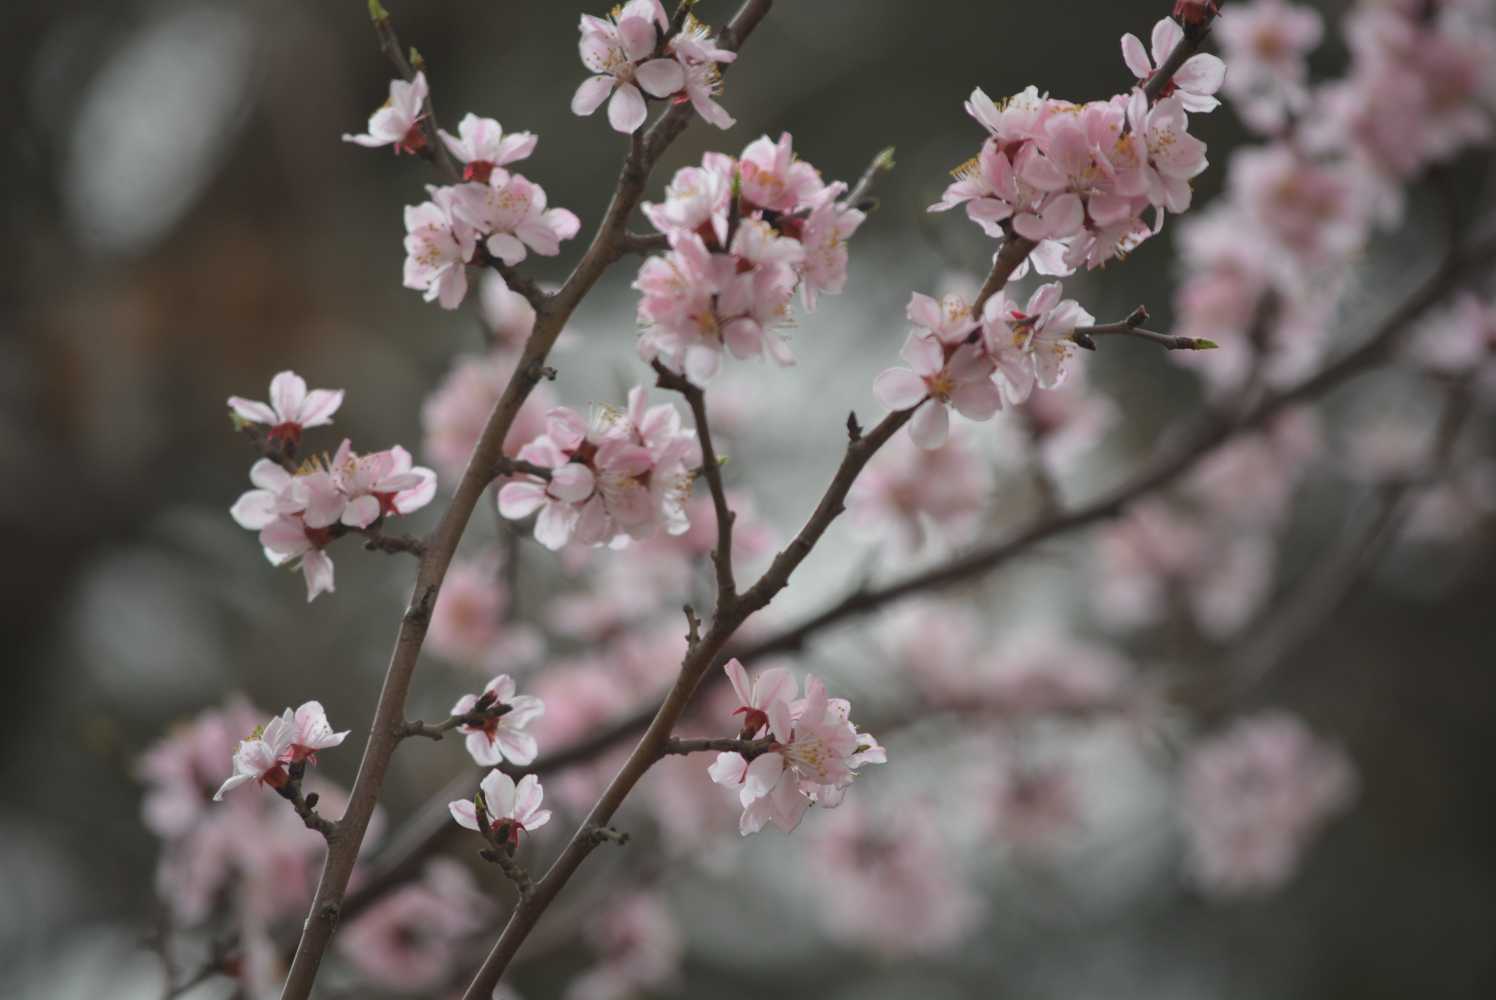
x: 626, y: 111
x: 1201, y: 74
x: 1166, y: 35
x: 319, y: 407
x: 591, y: 94
x: 518, y: 500
x: 931, y: 425
x: 661, y: 77
x: 1134, y: 55
x: 554, y: 525
x: 899, y: 388
x: 254, y: 412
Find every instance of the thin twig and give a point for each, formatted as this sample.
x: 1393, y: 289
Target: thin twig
x: 711, y: 467
x: 551, y: 315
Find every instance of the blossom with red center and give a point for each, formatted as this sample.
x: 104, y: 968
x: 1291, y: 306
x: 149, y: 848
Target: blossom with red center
x: 756, y: 695
x: 483, y: 148
x: 506, y: 808
x: 504, y: 715
x: 813, y: 756
x: 291, y: 409
x: 1196, y: 81
x: 398, y: 121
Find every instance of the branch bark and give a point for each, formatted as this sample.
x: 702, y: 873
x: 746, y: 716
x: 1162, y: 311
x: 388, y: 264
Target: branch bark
x: 551, y: 315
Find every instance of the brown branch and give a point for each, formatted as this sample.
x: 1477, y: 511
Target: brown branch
x: 507, y: 466
x: 1195, y: 32
x: 748, y: 748
x: 377, y: 541
x: 306, y: 805
x: 711, y: 467
x: 1132, y: 326
x: 389, y: 43
x: 551, y: 315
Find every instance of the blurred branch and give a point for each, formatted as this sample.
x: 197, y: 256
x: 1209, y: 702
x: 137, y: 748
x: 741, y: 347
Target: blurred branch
x: 1333, y: 578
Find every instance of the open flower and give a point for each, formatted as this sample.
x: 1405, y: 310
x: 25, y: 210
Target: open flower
x: 814, y: 755
x: 755, y: 696
x: 618, y: 50
x: 483, y: 148
x: 380, y: 484
x: 1196, y: 81
x: 291, y: 409
x: 500, y: 736
x: 310, y: 732
x: 262, y: 757
x: 438, y: 245
x: 514, y: 809
x: 398, y: 121
x: 960, y: 380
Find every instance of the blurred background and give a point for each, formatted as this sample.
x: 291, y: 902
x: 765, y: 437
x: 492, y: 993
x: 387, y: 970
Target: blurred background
x: 184, y: 223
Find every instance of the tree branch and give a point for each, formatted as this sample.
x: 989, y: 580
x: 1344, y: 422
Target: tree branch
x: 711, y: 467
x: 551, y: 315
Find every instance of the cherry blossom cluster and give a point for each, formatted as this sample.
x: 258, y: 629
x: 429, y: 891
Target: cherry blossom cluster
x: 248, y: 854
x: 270, y: 753
x: 1254, y: 796
x: 1077, y: 179
x: 300, y: 509
x: 504, y: 213
x: 744, y: 235
x: 811, y: 754
x: 621, y: 475
x: 959, y: 362
x: 634, y: 53
x: 1267, y: 264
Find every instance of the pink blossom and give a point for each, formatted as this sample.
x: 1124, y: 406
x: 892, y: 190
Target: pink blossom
x: 290, y: 538
x: 381, y: 484
x: 508, y: 315
x: 1032, y: 344
x: 310, y: 732
x: 622, y: 475
x: 410, y: 937
x: 398, y: 121
x: 1314, y: 211
x: 515, y: 809
x: 824, y: 238
x: 618, y: 50
x: 263, y: 756
x: 182, y: 770
x: 1196, y: 81
x: 511, y: 211
x: 438, y: 245
x: 640, y: 946
x: 701, y: 58
x: 500, y: 737
x: 756, y: 696
x: 291, y: 408
x: 483, y: 148
x: 470, y: 621
x: 814, y: 756
x: 898, y: 886
x: 1267, y: 43
x: 1036, y: 805
x: 774, y: 178
x: 1252, y: 799
x: 697, y: 199
x: 909, y: 492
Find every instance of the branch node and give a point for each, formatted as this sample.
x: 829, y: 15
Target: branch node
x: 854, y: 429
x: 606, y: 835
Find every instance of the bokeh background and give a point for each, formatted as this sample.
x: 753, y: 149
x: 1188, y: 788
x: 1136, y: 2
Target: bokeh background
x: 182, y: 222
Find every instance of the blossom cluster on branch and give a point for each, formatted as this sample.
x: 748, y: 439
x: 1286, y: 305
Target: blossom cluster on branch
x: 642, y: 515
